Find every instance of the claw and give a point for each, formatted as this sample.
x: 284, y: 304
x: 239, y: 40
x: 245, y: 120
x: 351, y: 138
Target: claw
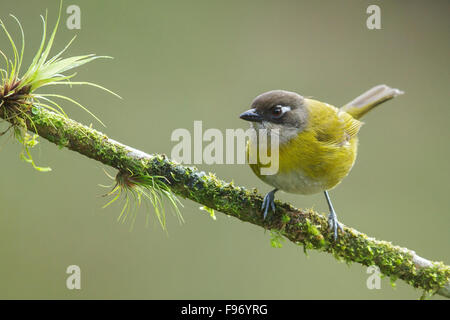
x: 268, y: 202
x: 334, y: 224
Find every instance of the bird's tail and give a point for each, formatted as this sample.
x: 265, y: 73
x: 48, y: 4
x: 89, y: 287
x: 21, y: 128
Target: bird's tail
x: 370, y: 99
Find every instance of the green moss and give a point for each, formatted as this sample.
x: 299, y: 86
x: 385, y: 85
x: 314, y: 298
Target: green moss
x: 276, y: 238
x: 63, y: 142
x: 285, y: 218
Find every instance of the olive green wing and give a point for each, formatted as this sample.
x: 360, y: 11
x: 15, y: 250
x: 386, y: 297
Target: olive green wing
x: 331, y: 125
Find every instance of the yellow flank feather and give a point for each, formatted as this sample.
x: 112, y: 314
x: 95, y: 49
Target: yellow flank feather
x: 320, y: 156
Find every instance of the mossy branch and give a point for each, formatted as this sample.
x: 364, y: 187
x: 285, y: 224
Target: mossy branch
x: 303, y: 227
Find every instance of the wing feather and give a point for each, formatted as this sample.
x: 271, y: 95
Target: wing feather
x: 331, y: 125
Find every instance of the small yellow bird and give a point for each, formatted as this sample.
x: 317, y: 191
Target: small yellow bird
x: 317, y: 141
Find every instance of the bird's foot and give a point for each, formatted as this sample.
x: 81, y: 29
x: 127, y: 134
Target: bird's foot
x: 334, y: 224
x: 269, y: 202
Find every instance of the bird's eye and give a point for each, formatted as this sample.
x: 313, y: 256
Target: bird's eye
x: 277, y: 111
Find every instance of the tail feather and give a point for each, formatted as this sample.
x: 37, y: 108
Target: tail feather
x: 370, y: 99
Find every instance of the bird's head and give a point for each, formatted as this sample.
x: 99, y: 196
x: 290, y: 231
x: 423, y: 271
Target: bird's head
x: 277, y: 109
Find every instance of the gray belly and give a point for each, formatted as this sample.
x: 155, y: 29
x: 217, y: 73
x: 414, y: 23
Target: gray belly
x: 295, y: 182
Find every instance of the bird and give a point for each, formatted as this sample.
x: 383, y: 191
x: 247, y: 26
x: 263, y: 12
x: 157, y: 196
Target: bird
x: 317, y: 142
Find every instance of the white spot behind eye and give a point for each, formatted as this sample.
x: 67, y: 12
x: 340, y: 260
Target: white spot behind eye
x: 284, y: 109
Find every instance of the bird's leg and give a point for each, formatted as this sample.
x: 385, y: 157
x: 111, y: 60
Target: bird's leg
x: 332, y: 218
x: 269, y: 201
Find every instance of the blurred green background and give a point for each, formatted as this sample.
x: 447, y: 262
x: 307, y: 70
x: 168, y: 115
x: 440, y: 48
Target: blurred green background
x: 178, y: 61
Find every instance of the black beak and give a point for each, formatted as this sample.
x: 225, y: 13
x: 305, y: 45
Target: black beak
x: 251, y: 115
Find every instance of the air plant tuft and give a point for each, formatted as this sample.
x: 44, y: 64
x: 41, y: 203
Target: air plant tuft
x: 142, y: 188
x: 18, y: 96
x: 20, y: 101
